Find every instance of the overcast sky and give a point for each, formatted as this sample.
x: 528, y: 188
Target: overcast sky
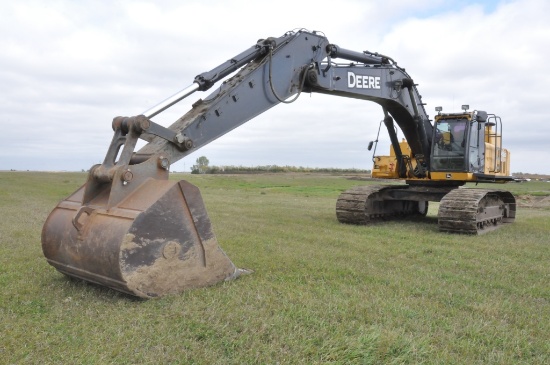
x: 68, y: 67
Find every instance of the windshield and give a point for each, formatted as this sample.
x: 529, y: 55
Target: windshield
x: 449, y: 145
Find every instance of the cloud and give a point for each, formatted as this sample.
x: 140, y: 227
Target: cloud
x: 67, y: 68
x: 491, y: 61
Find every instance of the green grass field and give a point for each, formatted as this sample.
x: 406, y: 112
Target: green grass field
x: 321, y: 292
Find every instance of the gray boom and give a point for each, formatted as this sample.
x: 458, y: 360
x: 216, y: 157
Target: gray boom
x: 269, y: 73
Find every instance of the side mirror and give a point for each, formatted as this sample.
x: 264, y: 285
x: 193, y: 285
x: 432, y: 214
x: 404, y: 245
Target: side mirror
x: 481, y: 116
x: 370, y: 145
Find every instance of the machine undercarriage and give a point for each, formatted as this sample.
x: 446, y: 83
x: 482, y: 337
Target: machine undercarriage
x: 461, y: 210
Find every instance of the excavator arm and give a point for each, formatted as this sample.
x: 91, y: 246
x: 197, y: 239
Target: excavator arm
x: 378, y: 79
x: 132, y: 229
x: 276, y: 69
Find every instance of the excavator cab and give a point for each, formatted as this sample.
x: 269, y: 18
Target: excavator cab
x: 469, y: 143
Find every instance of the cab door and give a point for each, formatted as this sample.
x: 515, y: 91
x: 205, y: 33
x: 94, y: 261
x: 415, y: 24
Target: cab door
x: 476, y: 147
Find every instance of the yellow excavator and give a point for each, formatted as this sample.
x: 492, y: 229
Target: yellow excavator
x: 465, y: 147
x: 132, y: 229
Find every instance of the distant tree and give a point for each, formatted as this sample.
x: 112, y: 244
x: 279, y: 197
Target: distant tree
x: 201, y: 165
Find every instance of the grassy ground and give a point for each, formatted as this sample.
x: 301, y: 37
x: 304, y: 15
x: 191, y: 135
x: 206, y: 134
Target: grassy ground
x: 321, y: 292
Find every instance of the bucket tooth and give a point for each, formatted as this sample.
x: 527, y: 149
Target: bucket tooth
x: 158, y: 240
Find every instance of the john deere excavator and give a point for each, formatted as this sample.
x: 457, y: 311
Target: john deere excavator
x: 131, y: 229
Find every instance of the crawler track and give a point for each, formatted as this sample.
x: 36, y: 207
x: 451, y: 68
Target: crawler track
x: 475, y: 211
x: 363, y: 204
x: 461, y: 210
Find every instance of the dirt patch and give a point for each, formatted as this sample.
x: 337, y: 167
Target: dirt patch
x: 204, y: 264
x: 533, y: 201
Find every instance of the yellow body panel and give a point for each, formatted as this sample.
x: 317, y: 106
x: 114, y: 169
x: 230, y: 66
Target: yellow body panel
x: 496, y: 163
x: 385, y: 167
x: 497, y: 159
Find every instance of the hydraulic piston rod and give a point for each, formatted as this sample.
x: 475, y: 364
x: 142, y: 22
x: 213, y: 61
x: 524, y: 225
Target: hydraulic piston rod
x: 160, y: 107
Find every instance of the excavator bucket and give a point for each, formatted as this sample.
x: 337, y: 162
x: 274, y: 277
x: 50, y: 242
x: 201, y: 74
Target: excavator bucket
x: 156, y: 240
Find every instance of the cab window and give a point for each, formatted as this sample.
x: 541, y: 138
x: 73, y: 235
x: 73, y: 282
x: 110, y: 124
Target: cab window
x: 449, y: 146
